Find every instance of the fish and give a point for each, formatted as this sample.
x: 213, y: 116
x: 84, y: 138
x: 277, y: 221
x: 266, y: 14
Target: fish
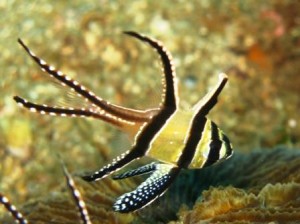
x: 175, y: 138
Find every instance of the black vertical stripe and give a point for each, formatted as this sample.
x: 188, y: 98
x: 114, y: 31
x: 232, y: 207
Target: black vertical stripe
x: 227, y: 145
x: 190, y: 147
x: 151, y: 129
x: 214, y: 146
x: 140, y: 147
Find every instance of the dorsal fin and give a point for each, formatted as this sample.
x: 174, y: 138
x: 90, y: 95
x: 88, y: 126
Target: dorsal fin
x: 211, y: 98
x: 170, y: 88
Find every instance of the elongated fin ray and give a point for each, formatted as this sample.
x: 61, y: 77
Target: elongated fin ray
x: 84, y: 215
x: 211, y: 98
x: 139, y: 171
x: 122, y: 112
x: 170, y: 83
x: 72, y: 112
x: 18, y: 217
x: 116, y: 164
x: 153, y: 187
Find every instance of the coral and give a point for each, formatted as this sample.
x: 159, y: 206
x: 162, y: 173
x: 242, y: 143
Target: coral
x: 262, y: 186
x: 99, y: 198
x: 277, y: 203
x: 265, y: 187
x: 58, y: 207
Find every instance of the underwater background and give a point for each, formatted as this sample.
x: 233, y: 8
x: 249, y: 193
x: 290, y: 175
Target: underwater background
x: 257, y: 43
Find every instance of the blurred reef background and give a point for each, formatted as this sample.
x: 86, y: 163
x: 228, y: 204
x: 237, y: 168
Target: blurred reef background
x: 257, y: 43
